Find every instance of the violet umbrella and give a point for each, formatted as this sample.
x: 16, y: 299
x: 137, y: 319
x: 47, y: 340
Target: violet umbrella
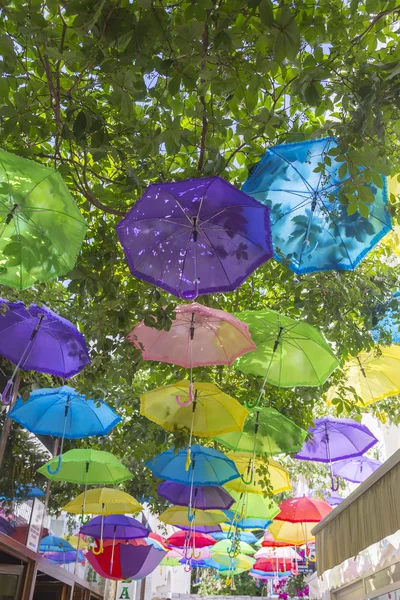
x: 38, y: 339
x: 356, y: 469
x: 65, y: 558
x: 333, y: 498
x: 336, y: 439
x: 201, y: 528
x: 194, y: 237
x: 208, y: 497
x: 129, y: 561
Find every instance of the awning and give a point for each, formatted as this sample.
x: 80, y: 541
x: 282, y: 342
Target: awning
x: 368, y: 515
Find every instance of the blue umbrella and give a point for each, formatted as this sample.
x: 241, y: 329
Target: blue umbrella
x: 206, y: 467
x: 333, y: 498
x: 244, y: 536
x: 311, y: 229
x: 247, y: 523
x: 63, y: 412
x: 52, y: 543
x: 65, y: 558
x: 390, y: 320
x: 26, y: 491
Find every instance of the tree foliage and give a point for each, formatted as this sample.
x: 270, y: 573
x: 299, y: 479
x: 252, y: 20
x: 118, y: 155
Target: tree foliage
x: 119, y: 94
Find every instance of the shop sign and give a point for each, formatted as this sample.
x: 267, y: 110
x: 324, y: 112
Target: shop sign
x: 35, y: 525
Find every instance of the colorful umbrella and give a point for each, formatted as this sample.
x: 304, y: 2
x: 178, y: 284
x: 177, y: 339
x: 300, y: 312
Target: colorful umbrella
x: 225, y: 547
x: 168, y: 561
x: 206, y: 236
x: 373, y: 375
x: 180, y: 539
x: 128, y: 561
x: 268, y: 541
x: 333, y: 498
x: 356, y: 469
x: 242, y: 561
x: 77, y: 541
x: 266, y: 432
x: 52, y: 543
x: 303, y: 510
x: 336, y: 439
x: 179, y: 553
x: 38, y: 339
x: 211, y: 412
x: 251, y: 523
x: 178, y: 515
x: 62, y: 412
x: 243, y: 536
x: 201, y: 528
x: 103, y: 501
x: 248, y: 467
x: 295, y: 534
x: 311, y: 226
x: 253, y: 506
x: 210, y: 563
x: 117, y: 527
x: 207, y: 466
x: 42, y: 229
x: 265, y: 575
x: 203, y: 497
x: 65, y: 558
x: 289, y: 353
x: 284, y: 552
x: 271, y: 565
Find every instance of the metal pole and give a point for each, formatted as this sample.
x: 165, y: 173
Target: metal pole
x: 7, y: 422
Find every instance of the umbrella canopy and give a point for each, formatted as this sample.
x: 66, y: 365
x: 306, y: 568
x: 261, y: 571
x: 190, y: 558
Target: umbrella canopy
x: 246, y: 465
x: 333, y: 439
x: 211, y: 412
x: 200, y: 553
x: 104, y: 501
x: 169, y: 561
x: 124, y: 561
x: 311, y: 227
x: 178, y: 515
x: 52, y: 543
x: 254, y: 506
x: 201, y: 528
x: 117, y: 527
x: 356, y: 469
x: 374, y: 376
x: 333, y: 498
x: 268, y: 541
x: 88, y: 467
x: 63, y: 412
x: 303, y: 510
x: 289, y: 353
x: 199, y: 336
x: 207, y: 466
x: 181, y: 539
x: 271, y: 565
x: 203, y: 497
x: 294, y: 534
x: 247, y: 523
x: 265, y: 575
x: 65, y: 558
x: 265, y: 432
x: 56, y: 348
x: 225, y: 547
x: 42, y: 229
x: 206, y: 236
x: 242, y: 561
x: 210, y: 563
x: 243, y: 536
x: 77, y: 541
x: 285, y: 552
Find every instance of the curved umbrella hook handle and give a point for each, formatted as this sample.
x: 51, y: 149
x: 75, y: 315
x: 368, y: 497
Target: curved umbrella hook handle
x: 100, y: 550
x: 6, y: 396
x: 250, y: 481
x: 190, y: 515
x: 84, y: 520
x: 58, y: 467
x: 187, y: 403
x: 335, y: 486
x: 194, y: 555
x: 252, y: 403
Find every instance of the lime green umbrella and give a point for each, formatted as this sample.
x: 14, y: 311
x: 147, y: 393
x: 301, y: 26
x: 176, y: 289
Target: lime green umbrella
x: 253, y: 506
x: 225, y: 546
x: 265, y: 432
x: 289, y: 353
x: 88, y: 467
x: 169, y: 561
x: 41, y: 228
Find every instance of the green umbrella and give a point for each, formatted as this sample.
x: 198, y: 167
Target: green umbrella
x: 169, y: 561
x: 289, y: 353
x: 225, y: 546
x: 265, y: 432
x: 253, y: 506
x: 41, y: 228
x: 88, y: 467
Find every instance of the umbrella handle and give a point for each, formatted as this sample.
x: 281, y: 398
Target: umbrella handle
x: 249, y: 482
x: 100, y: 550
x: 335, y: 486
x: 58, y: 467
x: 84, y: 520
x: 190, y: 516
x: 187, y: 568
x: 194, y: 555
x: 253, y: 403
x: 187, y: 403
x: 6, y: 396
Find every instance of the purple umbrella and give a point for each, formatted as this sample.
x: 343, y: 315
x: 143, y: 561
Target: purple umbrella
x: 64, y: 558
x: 129, y: 561
x: 208, y: 497
x: 333, y: 498
x: 356, y: 469
x: 38, y: 339
x: 115, y: 527
x: 335, y: 439
x: 201, y: 528
x: 6, y: 527
x: 197, y: 236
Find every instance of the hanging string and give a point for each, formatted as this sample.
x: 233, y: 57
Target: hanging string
x: 334, y: 486
x: 101, y: 547
x: 250, y: 404
x: 58, y: 467
x: 85, y: 520
x: 112, y: 551
x: 194, y: 405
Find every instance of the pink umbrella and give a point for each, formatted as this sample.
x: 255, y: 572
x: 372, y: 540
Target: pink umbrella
x: 286, y: 553
x: 201, y: 553
x: 199, y: 336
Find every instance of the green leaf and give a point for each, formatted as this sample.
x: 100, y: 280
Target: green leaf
x: 266, y: 13
x: 342, y: 171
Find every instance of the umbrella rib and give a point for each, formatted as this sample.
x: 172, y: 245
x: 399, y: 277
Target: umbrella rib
x: 218, y: 258
x: 170, y: 235
x: 338, y: 232
x: 184, y: 263
x: 58, y: 212
x: 305, y: 354
x: 307, y: 185
x: 218, y: 228
x: 204, y: 195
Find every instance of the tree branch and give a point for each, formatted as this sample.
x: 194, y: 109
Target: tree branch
x: 204, y: 120
x: 378, y: 17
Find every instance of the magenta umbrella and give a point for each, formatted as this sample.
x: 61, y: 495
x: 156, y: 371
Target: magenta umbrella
x: 197, y: 236
x: 356, y: 469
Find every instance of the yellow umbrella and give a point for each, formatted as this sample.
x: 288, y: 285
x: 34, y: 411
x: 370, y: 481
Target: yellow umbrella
x: 247, y: 466
x: 211, y: 413
x: 238, y: 562
x: 292, y: 533
x: 178, y: 515
x: 374, y: 375
x: 77, y: 541
x: 104, y: 501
